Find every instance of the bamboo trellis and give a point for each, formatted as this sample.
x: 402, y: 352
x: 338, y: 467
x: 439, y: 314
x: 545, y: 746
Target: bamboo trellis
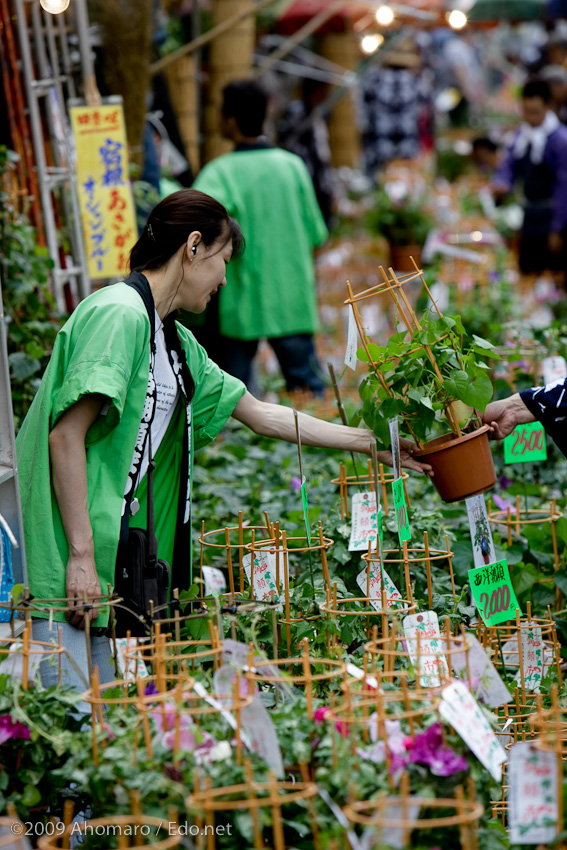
x: 366, y: 482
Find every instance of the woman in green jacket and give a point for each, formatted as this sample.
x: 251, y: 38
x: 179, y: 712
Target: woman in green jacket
x: 82, y: 450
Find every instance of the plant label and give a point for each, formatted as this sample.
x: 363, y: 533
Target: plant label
x: 215, y: 583
x: 481, y: 535
x: 460, y: 709
x: 365, y: 525
x: 526, y: 443
x: 391, y: 836
x: 372, y: 588
x: 358, y: 673
x: 532, y: 798
x: 130, y: 668
x: 305, y: 509
x: 554, y: 368
x: 395, y: 443
x: 486, y: 684
x: 265, y: 575
x: 493, y: 593
x: 261, y: 732
x: 425, y: 648
x: 401, y: 510
x: 352, y: 335
x: 532, y: 659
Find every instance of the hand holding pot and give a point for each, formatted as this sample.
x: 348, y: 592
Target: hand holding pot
x: 406, y: 459
x: 504, y: 415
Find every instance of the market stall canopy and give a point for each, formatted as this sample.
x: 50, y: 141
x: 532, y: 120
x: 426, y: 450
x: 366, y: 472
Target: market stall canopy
x: 294, y: 13
x: 508, y: 10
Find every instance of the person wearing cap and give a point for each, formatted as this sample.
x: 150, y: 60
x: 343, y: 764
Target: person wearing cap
x: 537, y: 158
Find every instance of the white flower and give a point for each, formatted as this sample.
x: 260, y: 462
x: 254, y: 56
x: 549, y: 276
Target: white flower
x: 221, y: 751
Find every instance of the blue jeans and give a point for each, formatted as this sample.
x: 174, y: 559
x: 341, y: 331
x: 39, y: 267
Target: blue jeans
x: 296, y: 356
x: 74, y: 665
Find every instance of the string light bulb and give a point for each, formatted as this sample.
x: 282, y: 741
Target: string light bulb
x: 457, y: 19
x: 384, y: 15
x: 371, y: 43
x: 54, y: 7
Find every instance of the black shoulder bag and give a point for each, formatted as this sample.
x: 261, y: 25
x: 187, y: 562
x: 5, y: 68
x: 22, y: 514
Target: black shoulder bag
x: 141, y: 577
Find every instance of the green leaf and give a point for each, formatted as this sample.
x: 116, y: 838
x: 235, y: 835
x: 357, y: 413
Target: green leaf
x: 31, y: 796
x: 482, y: 343
x: 22, y: 365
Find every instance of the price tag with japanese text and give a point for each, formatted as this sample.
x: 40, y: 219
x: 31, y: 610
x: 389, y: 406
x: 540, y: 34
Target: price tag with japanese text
x: 486, y: 683
x: 425, y: 647
x: 352, y: 333
x: 265, y: 575
x: 365, y: 525
x: 401, y: 510
x: 372, y: 588
x: 460, y: 709
x: 493, y: 593
x: 215, y: 582
x: 554, y: 368
x: 532, y: 798
x: 532, y: 658
x: 481, y: 535
x: 130, y: 668
x: 526, y: 443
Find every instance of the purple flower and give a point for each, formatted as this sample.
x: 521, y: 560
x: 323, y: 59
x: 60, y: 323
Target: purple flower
x: 12, y: 729
x: 505, y: 482
x: 428, y: 748
x: 151, y: 689
x: 503, y: 504
x: 295, y: 483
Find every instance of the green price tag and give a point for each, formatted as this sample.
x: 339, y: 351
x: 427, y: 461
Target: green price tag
x: 493, y: 593
x: 305, y: 509
x: 401, y: 509
x: 379, y: 522
x: 525, y: 443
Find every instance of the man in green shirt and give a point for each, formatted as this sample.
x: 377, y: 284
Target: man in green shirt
x: 271, y: 292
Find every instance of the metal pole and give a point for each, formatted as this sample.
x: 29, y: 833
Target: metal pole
x: 39, y: 150
x: 92, y: 93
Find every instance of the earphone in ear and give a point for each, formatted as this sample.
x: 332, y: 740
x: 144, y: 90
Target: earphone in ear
x: 194, y: 250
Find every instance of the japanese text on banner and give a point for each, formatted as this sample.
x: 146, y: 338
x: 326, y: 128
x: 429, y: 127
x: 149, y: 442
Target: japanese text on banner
x: 105, y: 194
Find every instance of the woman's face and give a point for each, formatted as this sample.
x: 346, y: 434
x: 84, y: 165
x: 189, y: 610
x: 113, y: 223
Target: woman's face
x: 205, y: 273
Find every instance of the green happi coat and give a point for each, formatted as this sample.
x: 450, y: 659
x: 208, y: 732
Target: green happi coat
x: 271, y: 287
x: 104, y: 348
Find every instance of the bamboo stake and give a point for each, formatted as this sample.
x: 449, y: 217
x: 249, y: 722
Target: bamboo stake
x: 229, y: 561
x: 520, y: 655
x: 286, y: 588
x: 428, y: 569
x: 241, y: 549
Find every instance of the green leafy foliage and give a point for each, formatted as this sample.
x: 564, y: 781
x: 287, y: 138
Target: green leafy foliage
x: 32, y: 317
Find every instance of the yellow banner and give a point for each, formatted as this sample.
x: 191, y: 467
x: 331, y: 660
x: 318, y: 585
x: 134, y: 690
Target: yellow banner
x: 105, y: 194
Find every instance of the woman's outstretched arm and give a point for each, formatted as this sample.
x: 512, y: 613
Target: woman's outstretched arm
x: 275, y: 420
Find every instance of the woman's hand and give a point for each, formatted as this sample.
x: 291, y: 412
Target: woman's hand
x: 406, y: 459
x: 504, y: 415
x: 81, y: 579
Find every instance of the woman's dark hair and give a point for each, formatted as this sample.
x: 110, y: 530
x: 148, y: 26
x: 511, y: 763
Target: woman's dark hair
x: 170, y: 223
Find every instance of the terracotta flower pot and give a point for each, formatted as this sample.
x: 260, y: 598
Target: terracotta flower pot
x: 463, y: 466
x: 400, y: 257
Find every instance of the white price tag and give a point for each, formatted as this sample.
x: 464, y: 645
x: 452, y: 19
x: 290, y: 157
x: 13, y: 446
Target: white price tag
x: 215, y: 583
x: 265, y: 575
x: 395, y: 441
x: 364, y: 522
x: 460, y: 709
x: 481, y: 535
x: 431, y: 664
x: 532, y: 775
x: 373, y: 588
x: 554, y: 368
x: 352, y: 337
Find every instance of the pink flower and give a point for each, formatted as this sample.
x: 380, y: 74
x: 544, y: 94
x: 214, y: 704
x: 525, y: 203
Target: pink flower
x: 109, y: 731
x: 295, y: 483
x: 428, y: 748
x: 12, y: 729
x: 320, y: 714
x: 503, y: 504
x: 186, y: 739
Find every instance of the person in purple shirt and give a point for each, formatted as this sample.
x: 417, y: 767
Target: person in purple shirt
x: 538, y: 157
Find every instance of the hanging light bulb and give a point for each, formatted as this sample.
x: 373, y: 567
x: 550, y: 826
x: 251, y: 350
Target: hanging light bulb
x: 384, y: 15
x: 54, y: 7
x: 457, y: 19
x: 371, y: 43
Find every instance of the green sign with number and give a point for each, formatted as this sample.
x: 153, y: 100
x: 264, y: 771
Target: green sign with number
x: 493, y: 593
x: 401, y: 509
x: 305, y: 509
x: 525, y: 443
